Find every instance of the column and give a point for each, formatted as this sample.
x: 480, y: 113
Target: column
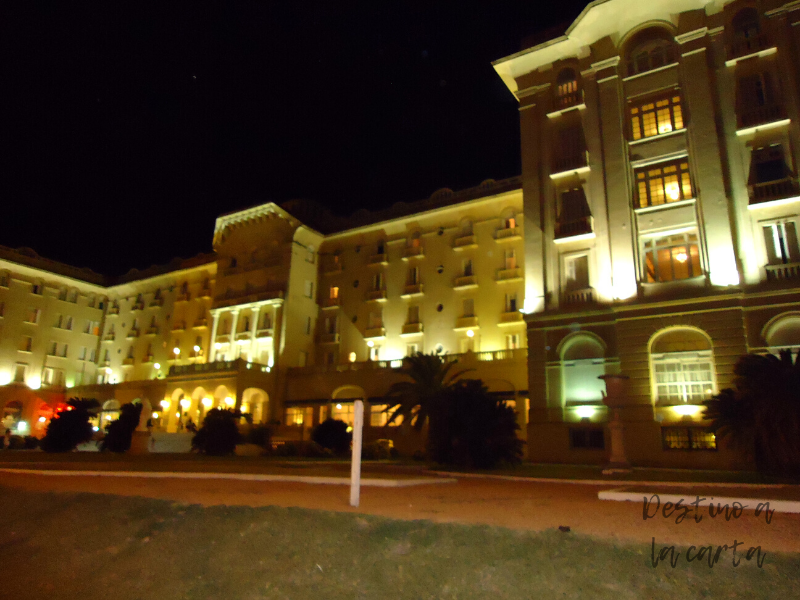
x: 254, y: 315
x: 212, y: 351
x: 234, y: 353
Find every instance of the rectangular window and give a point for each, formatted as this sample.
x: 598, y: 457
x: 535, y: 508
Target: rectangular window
x: 4, y: 279
x: 683, y: 377
x: 92, y: 354
x: 309, y: 289
x: 468, y: 304
x: 82, y: 353
x: 512, y: 341
x: 688, y: 438
x: 375, y: 319
x: 755, y: 91
x: 377, y: 282
x: 330, y: 324
x: 375, y: 353
x: 379, y: 418
x: 25, y: 343
x: 294, y: 416
x: 413, y: 276
x: 2, y: 309
x: 663, y: 183
x: 334, y: 293
x: 33, y: 315
x: 412, y: 349
x: 576, y: 272
x: 511, y: 259
x: 413, y: 314
x: 655, y: 117
x: 672, y: 258
x: 68, y: 323
x: 583, y: 438
x: 768, y: 164
x: 511, y: 303
x: 37, y: 288
x: 308, y: 325
x: 19, y: 372
x: 467, y: 264
x: 781, y: 243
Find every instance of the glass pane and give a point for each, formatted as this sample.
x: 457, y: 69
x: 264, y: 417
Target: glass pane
x: 664, y: 259
x: 680, y: 264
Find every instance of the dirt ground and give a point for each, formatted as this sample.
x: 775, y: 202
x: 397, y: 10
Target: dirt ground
x: 511, y: 504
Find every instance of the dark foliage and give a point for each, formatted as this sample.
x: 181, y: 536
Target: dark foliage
x: 71, y: 427
x: 470, y: 428
x: 333, y: 434
x: 306, y: 449
x: 430, y: 379
x: 119, y: 433
x: 379, y: 450
x: 260, y: 435
x: 16, y: 442
x: 31, y: 443
x: 761, y: 416
x: 219, y: 434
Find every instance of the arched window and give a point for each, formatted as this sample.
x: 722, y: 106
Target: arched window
x: 582, y: 363
x: 567, y: 92
x: 681, y: 366
x: 650, y: 50
x: 746, y: 25
x: 783, y: 331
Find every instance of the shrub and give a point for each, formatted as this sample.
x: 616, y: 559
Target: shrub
x: 119, y: 433
x: 333, y: 434
x: 16, y: 442
x: 471, y: 428
x: 418, y: 455
x: 71, y: 427
x: 260, y: 435
x: 219, y: 434
x: 306, y: 449
x: 31, y: 443
x: 378, y: 450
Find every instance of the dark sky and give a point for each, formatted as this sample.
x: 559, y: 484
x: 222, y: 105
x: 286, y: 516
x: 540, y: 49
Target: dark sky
x: 129, y: 126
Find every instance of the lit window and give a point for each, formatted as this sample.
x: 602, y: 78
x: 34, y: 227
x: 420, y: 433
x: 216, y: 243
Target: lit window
x: 650, y: 55
x: 656, y: 117
x: 294, y: 416
x: 344, y: 412
x: 567, y: 89
x: 688, y: 438
x: 334, y: 292
x: 663, y: 183
x: 682, y: 366
x: 379, y: 418
x: 672, y: 258
x: 781, y: 243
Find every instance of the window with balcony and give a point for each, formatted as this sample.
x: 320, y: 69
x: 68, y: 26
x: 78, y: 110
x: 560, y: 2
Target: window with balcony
x: 465, y: 227
x: 688, y: 438
x: 468, y: 307
x: 650, y: 54
x: 467, y: 267
x: 33, y: 316
x: 573, y: 214
x: 757, y: 100
x: 510, y: 303
x: 570, y: 149
x: 567, y: 90
x: 413, y: 315
x: 412, y: 349
x: 672, y: 257
x: 746, y: 35
x: 510, y: 259
x: 512, y: 341
x: 657, y: 116
x: 37, y: 288
x: 780, y: 239
x: 381, y: 247
x: 4, y: 279
x: 770, y: 176
x: 413, y: 276
x: 333, y: 293
x: 25, y: 343
x: 308, y: 289
x: 576, y: 279
x: 377, y: 282
x: 663, y: 183
x: 19, y: 372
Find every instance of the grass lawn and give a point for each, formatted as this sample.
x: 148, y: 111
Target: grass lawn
x: 67, y: 546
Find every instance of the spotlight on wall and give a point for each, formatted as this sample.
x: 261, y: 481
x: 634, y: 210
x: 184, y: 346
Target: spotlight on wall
x: 370, y: 343
x: 217, y: 346
x: 687, y: 410
x: 185, y: 403
x: 229, y: 401
x: 470, y: 333
x: 157, y: 366
x: 176, y: 351
x: 207, y: 402
x: 196, y: 348
x: 585, y: 412
x: 164, y: 404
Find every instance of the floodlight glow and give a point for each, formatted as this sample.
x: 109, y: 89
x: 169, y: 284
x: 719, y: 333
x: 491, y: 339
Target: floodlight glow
x: 95, y: 428
x: 34, y: 383
x: 22, y: 426
x: 108, y: 371
x: 207, y: 402
x: 155, y: 415
x: 681, y: 257
x: 585, y: 412
x: 470, y: 333
x: 196, y: 348
x: 338, y: 407
x: 217, y: 346
x: 42, y: 419
x: 176, y: 351
x: 157, y: 366
x: 185, y: 403
x: 5, y: 378
x: 164, y: 404
x: 229, y: 401
x: 687, y: 410
x: 370, y: 343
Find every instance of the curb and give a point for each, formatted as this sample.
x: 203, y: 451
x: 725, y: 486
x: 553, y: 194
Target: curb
x: 781, y: 506
x: 234, y: 476
x: 755, y: 486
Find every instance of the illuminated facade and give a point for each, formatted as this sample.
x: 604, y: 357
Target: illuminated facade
x: 295, y: 314
x: 661, y: 204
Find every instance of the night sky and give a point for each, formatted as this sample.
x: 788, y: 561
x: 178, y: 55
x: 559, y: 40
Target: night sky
x: 130, y: 126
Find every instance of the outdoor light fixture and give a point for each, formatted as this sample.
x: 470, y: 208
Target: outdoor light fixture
x: 155, y: 415
x: 352, y: 357
x: 34, y: 383
x: 370, y: 343
x: 585, y: 412
x: 5, y: 378
x: 687, y: 410
x: 229, y: 401
x: 338, y: 407
x: 470, y: 333
x: 95, y: 428
x: 217, y: 346
x: 196, y: 348
x: 681, y: 257
x: 177, y: 414
x: 164, y: 404
x: 673, y: 191
x: 176, y: 351
x: 22, y: 426
x: 157, y: 366
x: 108, y: 371
x: 207, y: 402
x: 185, y: 403
x: 42, y: 419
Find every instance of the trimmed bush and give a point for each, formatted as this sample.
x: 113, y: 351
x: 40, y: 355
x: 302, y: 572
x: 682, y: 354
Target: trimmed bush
x: 119, y: 433
x: 16, y: 442
x: 69, y: 428
x: 219, y: 434
x: 307, y: 449
x: 31, y: 443
x: 378, y: 450
x: 260, y: 435
x: 333, y: 434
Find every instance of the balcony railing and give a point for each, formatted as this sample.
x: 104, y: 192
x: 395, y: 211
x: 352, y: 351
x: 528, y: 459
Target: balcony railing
x: 200, y: 323
x: 184, y: 297
x: 466, y: 322
x: 378, y: 259
x: 376, y: 295
x: 374, y: 332
x: 246, y: 296
x: 571, y: 162
x: 507, y: 233
x: 223, y: 338
x: 127, y: 361
x: 264, y: 333
x: 564, y: 101
x: 509, y: 274
x: 464, y: 241
x: 217, y: 367
x: 156, y: 302
x: 413, y: 252
x: 465, y: 281
x: 581, y: 296
x: 411, y: 328
x: 109, y: 337
x: 508, y: 318
x: 329, y: 338
x: 113, y: 310
x: 242, y: 336
x: 748, y: 46
x: 412, y: 290
x: 783, y: 272
x: 331, y: 267
x: 133, y: 333
x: 138, y: 306
x: 774, y: 190
x: 148, y: 358
x: 568, y: 229
x: 179, y: 326
x: 331, y: 302
x: 152, y: 331
x: 760, y: 115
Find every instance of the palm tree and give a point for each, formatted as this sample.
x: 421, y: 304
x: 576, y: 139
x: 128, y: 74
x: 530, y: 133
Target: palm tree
x: 430, y: 381
x: 761, y: 416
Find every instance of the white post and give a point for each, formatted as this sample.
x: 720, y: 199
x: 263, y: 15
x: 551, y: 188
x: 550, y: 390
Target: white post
x: 355, y: 468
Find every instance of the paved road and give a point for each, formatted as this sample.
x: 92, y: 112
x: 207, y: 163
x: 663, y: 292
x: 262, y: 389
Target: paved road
x: 518, y: 505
